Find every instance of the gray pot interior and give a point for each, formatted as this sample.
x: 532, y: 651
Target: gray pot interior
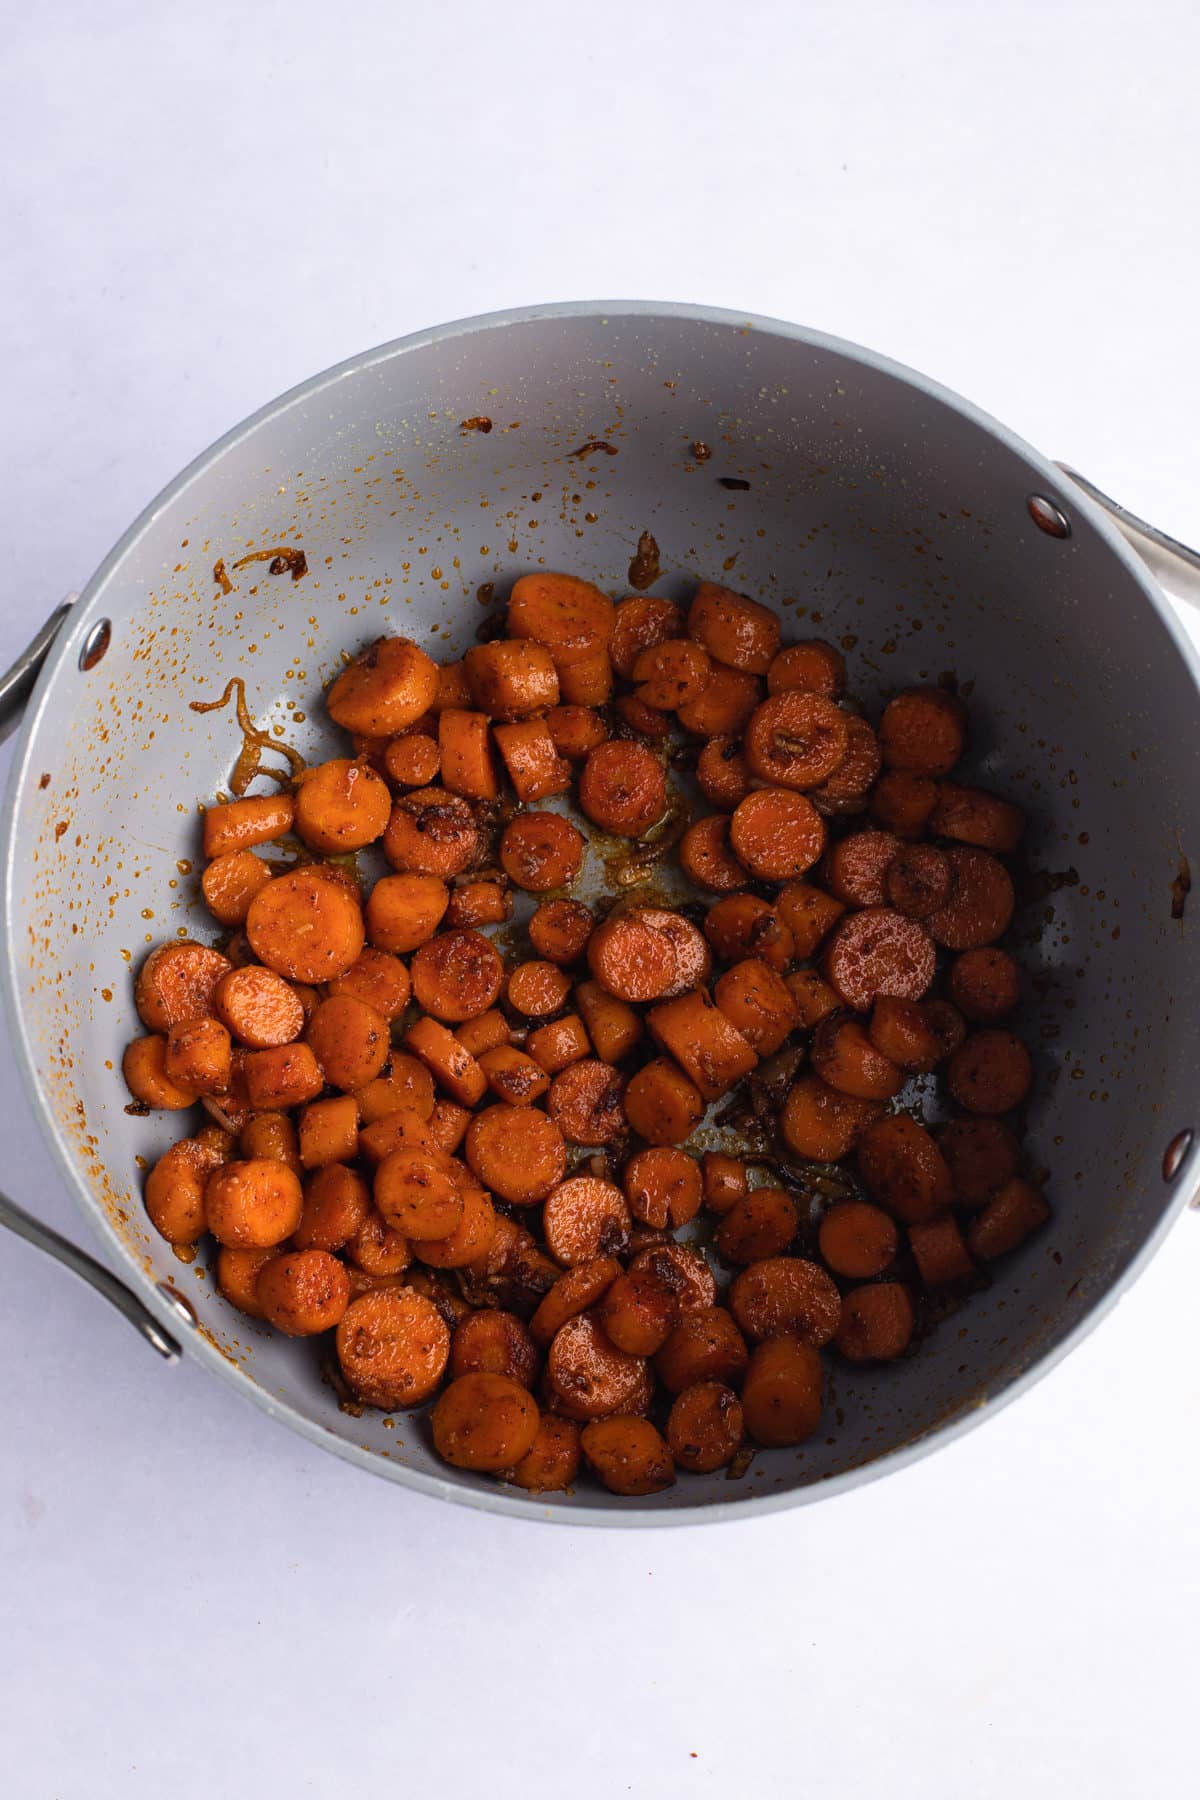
x: 877, y: 513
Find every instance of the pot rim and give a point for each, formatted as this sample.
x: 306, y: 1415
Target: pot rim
x: 500, y: 1500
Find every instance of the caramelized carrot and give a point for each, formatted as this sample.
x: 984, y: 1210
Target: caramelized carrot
x: 517, y: 1152
x: 534, y: 766
x: 813, y: 664
x: 329, y: 1131
x: 819, y: 1123
x: 178, y: 982
x: 734, y: 630
x: 1006, y: 1220
x: 199, y: 1056
x: 341, y: 806
x: 305, y: 927
x: 847, y: 790
x: 512, y: 1076
x: 722, y: 773
x: 879, y: 951
x: 240, y: 824
x: 904, y: 1170
x: 779, y: 1294
x: 431, y: 832
x: 230, y: 882
x: 613, y: 1027
x: 724, y: 1180
x: 776, y: 834
x: 662, y: 1186
x: 511, y: 680
x: 856, y: 868
x: 250, y: 1205
x: 972, y: 816
x: 991, y: 1073
x: 494, y: 1342
x: 416, y: 1195
x: 661, y: 1104
x: 985, y: 985
x: 413, y: 760
x: 144, y: 1066
x: 796, y: 740
x: 939, y: 1252
x: 559, y: 930
x: 758, y: 1004
x: 349, y: 1039
x: 707, y: 859
x: 540, y: 851
x: 336, y: 1204
x: 705, y: 1427
x: 711, y: 1051
x: 448, y: 1061
x: 622, y: 788
x: 575, y: 730
x: 457, y: 975
x: 877, y: 1323
x: 628, y: 1455
x: 783, y: 1392
x: 761, y: 1225
x: 537, y: 989
x: 379, y: 979
x: 288, y: 1075
x: 303, y: 1292
x: 404, y: 911
x: 385, y: 689
x: 393, y: 1347
x: 742, y: 925
x: 670, y: 674
x: 570, y: 617
x: 982, y: 1156
x: 725, y: 705
x: 923, y: 731
x: 260, y: 1008
x: 903, y: 804
x: 846, y: 1059
x: 465, y: 753
x: 585, y: 1102
x: 639, y: 623
x: 809, y: 914
x: 858, y: 1240
x: 561, y: 1042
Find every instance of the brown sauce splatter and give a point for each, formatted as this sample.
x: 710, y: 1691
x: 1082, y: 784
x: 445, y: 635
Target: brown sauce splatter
x: 734, y: 483
x: 1181, y: 887
x: 479, y: 423
x: 44, y: 779
x: 484, y: 592
x: 221, y: 576
x: 63, y: 826
x: 645, y: 568
x: 595, y: 446
x: 281, y: 560
x: 254, y: 742
x: 700, y: 450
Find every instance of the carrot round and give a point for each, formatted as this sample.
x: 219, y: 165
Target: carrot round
x: 494, y: 1342
x: 413, y: 760
x: 639, y: 623
x: 511, y: 679
x: 848, y: 789
x: 628, y: 1455
x: 271, y: 1135
x: 447, y: 1060
x: 534, y: 766
x: 584, y: 1218
x: 706, y: 856
x: 711, y: 1051
x: 287, y: 1075
x: 175, y: 1192
x: 856, y: 868
x: 858, y: 1240
x: 393, y: 1347
x: 552, y: 1461
x: 662, y: 1186
x: 377, y: 1249
x: 457, y: 975
x: 724, y: 1180
x: 670, y: 674
x: 560, y: 1042
x: 902, y: 1167
x: 178, y: 982
x: 796, y: 740
x: 722, y: 773
x: 682, y: 1268
x: 783, y: 1392
x: 742, y: 925
x: 144, y: 1066
x: 917, y: 881
x: 431, y: 832
x: 585, y: 1102
x: 229, y: 884
x: 575, y: 730
x: 762, y: 1224
x: 513, y: 1077
x: 559, y: 930
x: 258, y: 1007
x: 813, y: 664
x: 328, y: 1131
x: 780, y: 1294
x: 517, y: 1152
x: 570, y: 617
x: 537, y: 989
x: 540, y: 851
x: 379, y: 979
x: 845, y: 1058
x: 809, y: 914
x: 981, y: 1154
x: 1006, y: 1220
x: 305, y: 927
x: 303, y: 1292
x: 879, y: 951
x: 923, y: 731
x: 706, y: 1345
x: 776, y: 834
x: 588, y: 1376
x: 972, y: 816
x: 733, y: 629
x: 903, y: 803
x: 985, y: 985
x: 336, y: 1204
x: 416, y: 1196
x: 484, y: 1032
x: 471, y: 1236
x: 341, y: 806
x: 385, y: 689
x: 237, y: 1276
x: 877, y: 1323
x: 661, y: 1104
x: 404, y: 911
x: 725, y: 705
x: 758, y: 1004
x: 349, y: 1039
x: 622, y: 788
x: 250, y: 1205
x: 639, y: 1312
x: 991, y: 1074
x: 901, y: 1031
x: 574, y: 1291
x: 939, y: 1252
x: 199, y: 1056
x: 613, y: 1027
x: 819, y: 1123
x: 705, y: 1427
x: 981, y: 903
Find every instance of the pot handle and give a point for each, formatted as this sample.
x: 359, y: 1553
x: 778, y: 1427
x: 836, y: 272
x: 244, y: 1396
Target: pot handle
x: 1173, y: 565
x: 91, y: 1271
x: 16, y: 685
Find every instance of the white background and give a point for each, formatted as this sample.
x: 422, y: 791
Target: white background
x: 204, y: 204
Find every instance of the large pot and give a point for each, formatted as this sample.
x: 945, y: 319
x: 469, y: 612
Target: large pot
x: 894, y: 513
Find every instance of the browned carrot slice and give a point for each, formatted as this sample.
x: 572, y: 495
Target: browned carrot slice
x: 858, y: 1240
x: 484, y: 1032
x: 982, y: 1156
x: 722, y: 773
x: 809, y: 913
x: 848, y: 789
x: 513, y: 1076
x: 385, y: 689
x: 240, y: 824
x: 706, y: 857
x: 683, y: 1268
x: 457, y: 975
x: 448, y: 1061
x: 393, y: 1347
x: 552, y: 1461
x: 813, y: 664
x: 540, y: 851
x: 288, y: 1075
x: 303, y: 1292
x: 336, y: 1204
x: 230, y: 882
x: 349, y: 1039
x: 783, y: 1392
x: 414, y: 760
x: 249, y: 1205
x: 662, y: 1186
x: 761, y: 1225
x: 639, y: 623
x: 431, y: 832
x: 534, y: 766
x: 706, y: 1345
x: 570, y: 617
x: 575, y: 730
x: 583, y: 1218
x: 711, y: 1051
x: 923, y: 731
x: 586, y: 1373
x: 877, y: 1322
x: 904, y: 1170
x: 573, y: 1292
x: 991, y: 1074
x: 1006, y: 1220
x: 939, y: 1252
x: 178, y: 982
x: 742, y: 925
x: 900, y: 1030
x: 585, y: 1102
x: 517, y: 1152
x: 661, y: 1104
x: 260, y: 1008
x: 724, y: 1179
x: 380, y: 979
x: 985, y: 985
x: 670, y: 674
x: 199, y: 1056
x: 879, y: 951
x: 628, y: 1455
x: 725, y: 706
x: 494, y: 1342
x: 973, y: 816
x: 509, y: 679
x: 733, y: 629
x: 705, y: 1427
x: 341, y: 805
x: 622, y: 788
x: 786, y: 1294
x: 329, y: 1131
x: 903, y: 803
x: 416, y: 1196
x: 559, y: 930
x: 561, y: 1042
x: 776, y: 834
x: 758, y: 1003
x: 796, y: 740
x: 404, y: 911
x: 819, y: 1123
x: 305, y: 926
x: 537, y: 989
x: 856, y: 868
x: 465, y: 752
x: 845, y: 1058
x: 981, y: 903
x: 812, y: 998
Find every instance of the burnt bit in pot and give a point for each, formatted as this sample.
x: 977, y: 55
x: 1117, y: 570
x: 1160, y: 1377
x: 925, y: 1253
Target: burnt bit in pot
x: 644, y: 568
x: 479, y: 423
x: 594, y: 447
x: 281, y: 560
x: 221, y: 576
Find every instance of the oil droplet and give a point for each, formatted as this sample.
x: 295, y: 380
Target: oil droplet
x: 147, y: 912
x: 106, y: 993
x: 184, y: 866
x: 436, y: 573
x: 128, y: 955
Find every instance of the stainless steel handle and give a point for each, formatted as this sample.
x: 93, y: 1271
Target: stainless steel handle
x: 91, y: 1271
x: 1173, y: 565
x: 16, y: 684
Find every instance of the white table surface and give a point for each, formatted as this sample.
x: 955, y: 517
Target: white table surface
x: 202, y: 205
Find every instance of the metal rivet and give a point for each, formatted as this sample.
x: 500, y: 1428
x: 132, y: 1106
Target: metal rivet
x: 179, y: 1304
x: 1175, y: 1152
x: 1047, y: 517
x: 95, y: 644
